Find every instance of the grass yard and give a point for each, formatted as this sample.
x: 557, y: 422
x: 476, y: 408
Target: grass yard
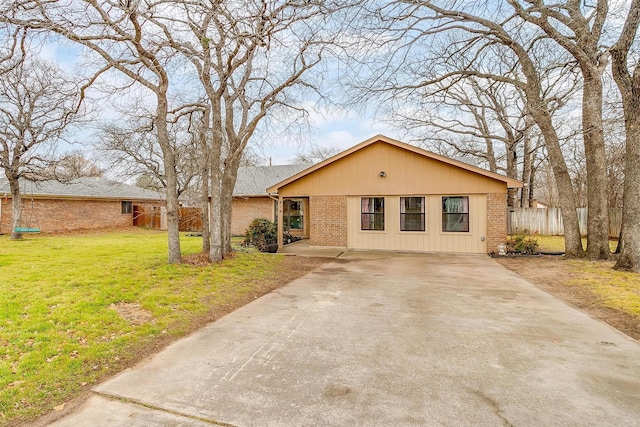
x: 616, y: 289
x: 556, y: 243
x: 75, y: 309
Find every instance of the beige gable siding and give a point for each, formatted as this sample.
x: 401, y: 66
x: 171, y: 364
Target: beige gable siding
x: 406, y: 173
x: 431, y: 240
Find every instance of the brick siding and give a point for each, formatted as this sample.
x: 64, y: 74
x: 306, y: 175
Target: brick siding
x: 53, y: 215
x: 245, y: 210
x: 496, y: 220
x: 328, y: 221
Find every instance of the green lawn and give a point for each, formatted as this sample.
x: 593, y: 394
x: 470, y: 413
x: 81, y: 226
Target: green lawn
x: 617, y: 289
x: 59, y: 331
x: 556, y: 243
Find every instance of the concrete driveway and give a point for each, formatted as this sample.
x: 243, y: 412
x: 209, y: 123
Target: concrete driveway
x: 387, y: 340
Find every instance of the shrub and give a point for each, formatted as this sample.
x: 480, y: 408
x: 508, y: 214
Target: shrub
x: 525, y: 244
x: 261, y: 233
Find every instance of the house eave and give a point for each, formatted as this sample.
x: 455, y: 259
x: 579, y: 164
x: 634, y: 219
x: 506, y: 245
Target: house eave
x: 96, y: 198
x: 510, y: 183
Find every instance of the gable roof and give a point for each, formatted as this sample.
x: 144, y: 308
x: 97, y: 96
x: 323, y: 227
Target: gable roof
x: 253, y: 181
x: 81, y: 188
x: 511, y: 183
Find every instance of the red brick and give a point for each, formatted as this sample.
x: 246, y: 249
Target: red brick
x: 53, y: 215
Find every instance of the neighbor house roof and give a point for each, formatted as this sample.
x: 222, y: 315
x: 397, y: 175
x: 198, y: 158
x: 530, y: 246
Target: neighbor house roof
x: 253, y: 181
x: 511, y: 183
x: 81, y: 188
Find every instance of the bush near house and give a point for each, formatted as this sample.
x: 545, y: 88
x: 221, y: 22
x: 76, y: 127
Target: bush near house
x: 262, y: 234
x: 524, y: 244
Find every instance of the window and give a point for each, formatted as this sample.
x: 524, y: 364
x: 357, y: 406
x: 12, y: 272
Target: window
x: 455, y: 214
x: 127, y: 207
x: 411, y: 213
x: 372, y: 213
x: 292, y: 216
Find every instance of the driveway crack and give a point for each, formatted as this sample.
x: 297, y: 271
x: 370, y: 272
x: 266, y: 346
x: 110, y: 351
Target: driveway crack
x: 161, y: 409
x: 494, y: 404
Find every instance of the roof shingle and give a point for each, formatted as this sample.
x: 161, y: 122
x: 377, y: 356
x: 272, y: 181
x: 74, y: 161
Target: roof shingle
x: 89, y: 188
x: 254, y: 180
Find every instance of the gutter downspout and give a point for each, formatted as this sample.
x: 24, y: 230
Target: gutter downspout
x: 280, y: 221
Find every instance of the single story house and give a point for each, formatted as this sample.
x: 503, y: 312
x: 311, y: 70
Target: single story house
x: 383, y: 194
x: 83, y: 203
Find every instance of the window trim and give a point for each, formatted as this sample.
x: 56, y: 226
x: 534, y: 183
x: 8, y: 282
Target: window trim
x: 126, y: 207
x: 286, y: 216
x: 423, y: 214
x: 467, y: 213
x: 375, y: 214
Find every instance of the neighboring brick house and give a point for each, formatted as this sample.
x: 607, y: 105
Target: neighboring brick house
x: 251, y: 201
x: 383, y: 194
x: 82, y: 204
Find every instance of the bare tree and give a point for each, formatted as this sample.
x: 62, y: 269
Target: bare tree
x: 477, y: 117
x: 132, y: 150
x: 13, y: 40
x: 531, y: 145
x: 37, y: 104
x: 73, y: 165
x: 125, y: 41
x: 579, y: 30
x: 250, y: 57
x: 454, y: 44
x: 615, y: 138
x: 627, y: 77
x: 315, y: 154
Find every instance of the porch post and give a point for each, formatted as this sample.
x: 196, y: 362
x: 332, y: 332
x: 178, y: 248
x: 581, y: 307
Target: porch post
x: 280, y: 224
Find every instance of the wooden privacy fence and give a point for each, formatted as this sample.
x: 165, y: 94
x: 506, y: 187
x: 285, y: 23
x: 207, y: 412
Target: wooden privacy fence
x: 190, y: 219
x: 548, y: 222
x: 147, y: 216
x: 155, y: 218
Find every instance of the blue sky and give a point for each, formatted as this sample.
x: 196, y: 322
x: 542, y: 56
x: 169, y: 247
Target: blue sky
x: 330, y: 126
x: 335, y: 129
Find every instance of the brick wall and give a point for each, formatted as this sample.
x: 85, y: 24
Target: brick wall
x: 5, y: 215
x: 328, y: 221
x: 245, y: 210
x: 496, y: 220
x: 53, y: 215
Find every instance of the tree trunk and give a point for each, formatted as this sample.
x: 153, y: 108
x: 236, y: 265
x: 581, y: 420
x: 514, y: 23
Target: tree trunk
x: 491, y: 156
x: 215, y: 252
x: 526, y: 163
x: 572, y: 238
x: 225, y: 218
x: 596, y: 160
x: 204, y: 178
x: 537, y: 108
x: 216, y: 249
x: 512, y: 172
x: 532, y: 179
x: 630, y: 245
x: 169, y: 160
x: 204, y: 210
x: 16, y: 208
x: 228, y: 183
x: 629, y: 85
